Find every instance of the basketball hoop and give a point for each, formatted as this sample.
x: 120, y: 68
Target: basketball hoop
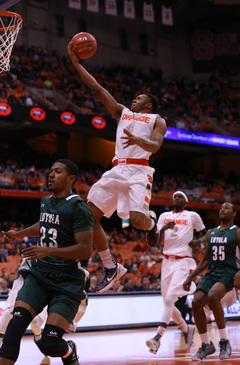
x: 10, y: 24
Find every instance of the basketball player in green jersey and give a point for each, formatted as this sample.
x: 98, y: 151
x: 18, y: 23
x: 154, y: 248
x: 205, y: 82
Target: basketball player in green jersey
x: 221, y: 259
x: 56, y: 277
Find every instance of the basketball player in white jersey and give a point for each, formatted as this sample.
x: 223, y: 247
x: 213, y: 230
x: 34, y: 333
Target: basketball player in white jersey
x: 127, y: 186
x: 176, y: 231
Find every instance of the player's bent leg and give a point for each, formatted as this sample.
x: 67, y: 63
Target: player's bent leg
x: 153, y: 234
x: 9, y: 306
x: 72, y: 327
x: 187, y: 329
x: 154, y: 343
x: 54, y: 345
x: 112, y: 270
x: 15, y: 330
x: 36, y: 324
x: 99, y: 236
x: 5, y: 319
x: 51, y: 342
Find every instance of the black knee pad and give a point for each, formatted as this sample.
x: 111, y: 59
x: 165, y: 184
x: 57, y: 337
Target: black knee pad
x: 52, y: 343
x: 14, y: 332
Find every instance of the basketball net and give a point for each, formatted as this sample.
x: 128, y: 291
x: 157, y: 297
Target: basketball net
x: 10, y: 24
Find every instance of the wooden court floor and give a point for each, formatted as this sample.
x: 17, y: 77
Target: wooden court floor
x: 123, y: 347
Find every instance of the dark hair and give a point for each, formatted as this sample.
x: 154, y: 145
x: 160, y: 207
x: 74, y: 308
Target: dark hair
x: 72, y: 168
x: 154, y: 101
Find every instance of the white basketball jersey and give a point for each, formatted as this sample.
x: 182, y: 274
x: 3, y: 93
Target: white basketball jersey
x: 139, y: 124
x: 176, y: 240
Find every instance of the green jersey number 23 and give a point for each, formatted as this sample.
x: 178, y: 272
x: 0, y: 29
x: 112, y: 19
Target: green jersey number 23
x: 52, y: 236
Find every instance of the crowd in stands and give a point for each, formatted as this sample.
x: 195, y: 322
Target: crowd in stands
x: 128, y: 247
x: 206, y: 105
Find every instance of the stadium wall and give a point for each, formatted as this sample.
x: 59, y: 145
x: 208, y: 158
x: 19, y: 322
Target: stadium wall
x: 166, y: 49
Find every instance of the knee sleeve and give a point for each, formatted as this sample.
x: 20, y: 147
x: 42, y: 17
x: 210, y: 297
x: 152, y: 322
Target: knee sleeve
x: 52, y: 343
x: 15, y: 330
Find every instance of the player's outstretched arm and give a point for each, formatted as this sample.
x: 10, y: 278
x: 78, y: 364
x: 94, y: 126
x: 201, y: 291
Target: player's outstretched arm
x: 31, y: 231
x: 197, y: 242
x: 106, y: 98
x: 203, y: 264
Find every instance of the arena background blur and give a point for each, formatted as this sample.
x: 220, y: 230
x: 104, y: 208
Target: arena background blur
x: 186, y: 52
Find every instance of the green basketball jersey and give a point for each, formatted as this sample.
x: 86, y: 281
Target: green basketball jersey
x: 59, y: 220
x: 222, y: 247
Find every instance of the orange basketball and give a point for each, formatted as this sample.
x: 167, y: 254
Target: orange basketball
x: 86, y: 45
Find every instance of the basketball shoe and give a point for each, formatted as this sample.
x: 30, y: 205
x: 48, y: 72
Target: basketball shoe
x: 205, y: 350
x: 72, y: 359
x: 188, y: 336
x: 153, y: 345
x: 153, y: 234
x: 225, y: 349
x: 110, y: 276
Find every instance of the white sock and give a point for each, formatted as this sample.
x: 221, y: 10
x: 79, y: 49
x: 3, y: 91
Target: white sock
x: 161, y: 330
x: 222, y: 334
x: 204, y: 337
x: 107, y: 259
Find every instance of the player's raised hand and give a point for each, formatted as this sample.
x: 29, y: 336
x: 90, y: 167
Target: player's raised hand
x: 187, y: 284
x: 35, y: 252
x: 169, y: 225
x: 194, y: 243
x: 10, y: 235
x: 72, y: 54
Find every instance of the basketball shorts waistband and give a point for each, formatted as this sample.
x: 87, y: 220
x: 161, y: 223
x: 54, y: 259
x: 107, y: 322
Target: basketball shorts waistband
x: 62, y: 267
x: 173, y: 257
x: 131, y: 161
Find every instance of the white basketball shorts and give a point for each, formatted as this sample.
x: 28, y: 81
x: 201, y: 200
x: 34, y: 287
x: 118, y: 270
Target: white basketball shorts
x: 125, y: 188
x: 174, y: 273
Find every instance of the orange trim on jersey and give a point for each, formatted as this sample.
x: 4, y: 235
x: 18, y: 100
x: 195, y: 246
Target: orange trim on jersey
x: 131, y: 161
x: 147, y: 199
